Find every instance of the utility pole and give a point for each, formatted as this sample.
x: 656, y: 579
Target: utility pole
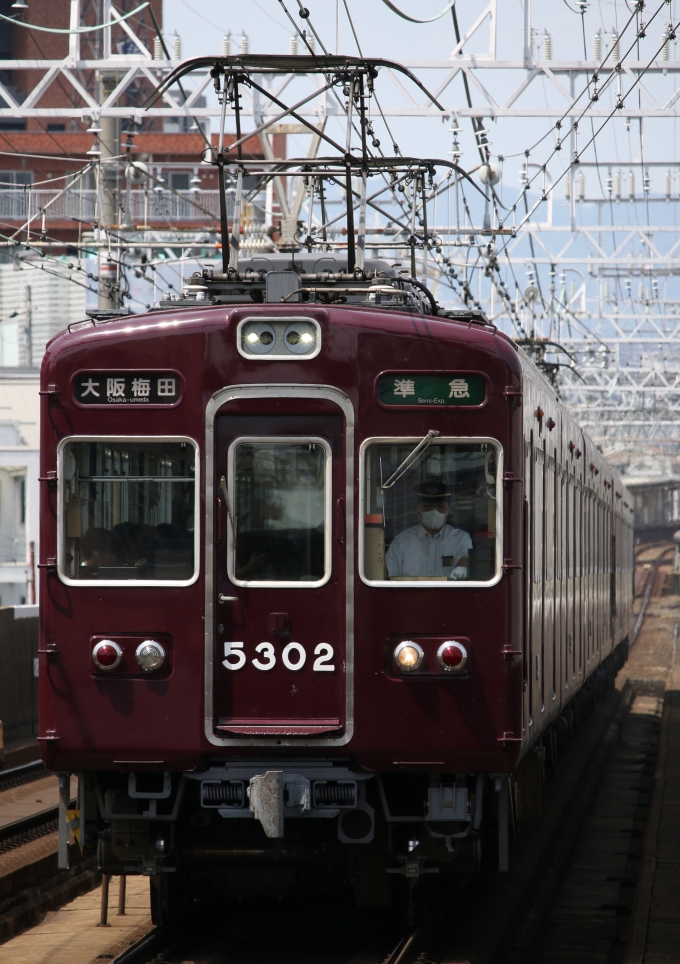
x: 26, y: 342
x: 109, y: 139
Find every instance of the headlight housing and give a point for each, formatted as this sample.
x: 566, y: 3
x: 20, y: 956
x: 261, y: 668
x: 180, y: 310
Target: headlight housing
x: 258, y: 338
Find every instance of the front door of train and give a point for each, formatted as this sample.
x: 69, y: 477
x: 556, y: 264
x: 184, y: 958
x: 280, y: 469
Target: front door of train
x: 280, y: 576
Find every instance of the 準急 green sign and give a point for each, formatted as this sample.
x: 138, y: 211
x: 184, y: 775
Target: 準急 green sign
x: 447, y: 390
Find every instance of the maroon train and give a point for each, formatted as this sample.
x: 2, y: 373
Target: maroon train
x: 264, y: 657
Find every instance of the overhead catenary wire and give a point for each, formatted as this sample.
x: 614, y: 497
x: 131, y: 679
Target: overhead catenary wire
x: 405, y: 16
x: 74, y: 30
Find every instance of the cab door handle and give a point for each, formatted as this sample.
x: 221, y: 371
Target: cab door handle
x: 341, y: 522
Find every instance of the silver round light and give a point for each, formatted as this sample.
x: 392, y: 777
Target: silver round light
x: 107, y: 655
x: 300, y: 338
x: 258, y: 338
x: 150, y: 655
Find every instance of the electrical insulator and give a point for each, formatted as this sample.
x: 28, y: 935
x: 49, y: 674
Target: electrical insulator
x: 581, y: 186
x: 567, y: 187
x: 667, y: 185
x: 641, y: 290
x: 610, y: 183
x: 615, y: 48
x: 617, y: 185
x: 292, y: 47
x: 226, y: 45
x: 605, y: 291
x: 597, y: 47
x: 547, y: 46
x: 176, y: 47
x: 627, y: 285
x: 244, y: 44
x: 665, y: 46
x: 655, y: 288
x: 646, y: 182
x: 157, y: 48
x: 310, y: 43
x: 631, y: 185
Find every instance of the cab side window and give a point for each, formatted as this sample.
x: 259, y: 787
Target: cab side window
x: 437, y: 522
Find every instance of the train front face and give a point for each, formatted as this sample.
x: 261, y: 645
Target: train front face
x: 282, y: 592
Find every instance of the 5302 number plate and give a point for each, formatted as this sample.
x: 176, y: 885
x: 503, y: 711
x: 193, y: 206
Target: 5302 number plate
x: 293, y: 657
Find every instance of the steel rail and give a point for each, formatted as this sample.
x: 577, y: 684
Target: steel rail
x: 141, y: 949
x: 26, y: 773
x: 19, y: 832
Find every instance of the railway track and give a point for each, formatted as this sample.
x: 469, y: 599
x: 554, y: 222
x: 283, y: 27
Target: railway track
x: 23, y: 831
x: 18, y: 776
x: 32, y: 887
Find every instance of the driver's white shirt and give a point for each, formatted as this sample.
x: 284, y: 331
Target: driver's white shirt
x: 414, y: 552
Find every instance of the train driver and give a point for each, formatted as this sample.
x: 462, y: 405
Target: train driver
x: 430, y: 548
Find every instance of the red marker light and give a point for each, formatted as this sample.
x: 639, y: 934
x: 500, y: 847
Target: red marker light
x: 452, y: 656
x: 106, y: 655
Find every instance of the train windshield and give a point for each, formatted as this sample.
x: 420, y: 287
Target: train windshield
x: 437, y: 522
x: 281, y: 511
x: 128, y: 511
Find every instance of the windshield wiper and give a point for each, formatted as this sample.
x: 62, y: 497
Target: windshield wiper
x: 410, y: 459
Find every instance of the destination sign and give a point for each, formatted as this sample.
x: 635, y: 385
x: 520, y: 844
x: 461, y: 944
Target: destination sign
x: 452, y: 390
x: 127, y: 388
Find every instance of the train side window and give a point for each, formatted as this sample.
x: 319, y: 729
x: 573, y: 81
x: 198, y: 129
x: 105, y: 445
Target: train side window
x: 439, y: 523
x: 128, y: 511
x: 281, y: 512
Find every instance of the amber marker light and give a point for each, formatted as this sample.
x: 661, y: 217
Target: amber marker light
x: 408, y: 656
x: 106, y: 655
x: 452, y: 656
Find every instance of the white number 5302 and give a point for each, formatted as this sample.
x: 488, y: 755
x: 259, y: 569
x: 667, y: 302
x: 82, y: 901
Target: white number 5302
x: 293, y: 657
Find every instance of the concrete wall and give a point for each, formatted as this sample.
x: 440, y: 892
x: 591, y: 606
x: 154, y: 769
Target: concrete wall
x: 18, y: 680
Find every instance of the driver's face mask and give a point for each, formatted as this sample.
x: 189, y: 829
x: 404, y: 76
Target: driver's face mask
x: 432, y: 518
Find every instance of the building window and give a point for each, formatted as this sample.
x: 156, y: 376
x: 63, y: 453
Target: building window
x: 14, y: 180
x: 179, y: 180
